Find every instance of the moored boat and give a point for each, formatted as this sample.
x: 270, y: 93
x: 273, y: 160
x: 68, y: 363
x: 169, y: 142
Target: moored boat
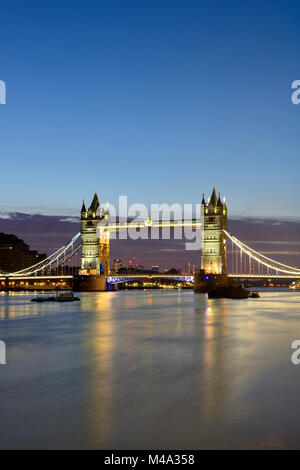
x: 67, y: 297
x: 295, y: 285
x: 63, y: 297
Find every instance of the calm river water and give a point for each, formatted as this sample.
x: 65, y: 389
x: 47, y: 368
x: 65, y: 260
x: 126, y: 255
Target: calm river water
x: 150, y: 370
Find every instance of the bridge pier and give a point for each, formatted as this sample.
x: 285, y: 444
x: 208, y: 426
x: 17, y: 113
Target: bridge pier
x: 89, y: 283
x: 204, y: 282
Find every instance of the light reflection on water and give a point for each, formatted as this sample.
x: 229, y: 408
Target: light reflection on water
x: 150, y: 369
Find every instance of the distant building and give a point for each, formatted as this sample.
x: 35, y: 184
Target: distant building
x: 155, y: 269
x: 117, y: 265
x: 16, y: 255
x: 132, y: 263
x: 190, y: 268
x: 172, y: 271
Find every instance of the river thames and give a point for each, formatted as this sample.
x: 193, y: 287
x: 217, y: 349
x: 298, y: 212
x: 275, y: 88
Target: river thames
x: 150, y: 370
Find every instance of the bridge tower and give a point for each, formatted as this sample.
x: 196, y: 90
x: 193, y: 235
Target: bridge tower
x: 95, y: 240
x: 214, y: 253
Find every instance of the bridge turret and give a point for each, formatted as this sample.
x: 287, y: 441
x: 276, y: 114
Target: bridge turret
x: 95, y: 204
x: 83, y: 209
x: 106, y: 213
x: 213, y: 199
x: 94, y: 253
x: 214, y: 255
x: 95, y: 243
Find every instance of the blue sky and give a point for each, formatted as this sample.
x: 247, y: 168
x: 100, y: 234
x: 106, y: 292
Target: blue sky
x: 157, y: 100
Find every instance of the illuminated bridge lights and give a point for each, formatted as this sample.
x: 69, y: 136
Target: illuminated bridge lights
x: 261, y: 259
x: 26, y: 278
x: 148, y: 223
x: 65, y: 253
x: 57, y: 258
x: 264, y: 276
x: 134, y: 277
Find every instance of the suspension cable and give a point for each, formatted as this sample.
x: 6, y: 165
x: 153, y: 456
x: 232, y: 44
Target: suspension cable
x: 262, y: 259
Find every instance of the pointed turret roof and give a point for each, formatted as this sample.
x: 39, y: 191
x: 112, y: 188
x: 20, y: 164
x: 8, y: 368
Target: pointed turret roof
x: 95, y: 203
x: 213, y: 199
x: 203, y: 199
x: 219, y: 203
x: 106, y: 213
x: 83, y: 209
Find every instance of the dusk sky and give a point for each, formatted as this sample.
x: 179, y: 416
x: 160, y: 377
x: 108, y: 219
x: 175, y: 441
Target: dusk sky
x: 156, y: 100
x: 278, y: 239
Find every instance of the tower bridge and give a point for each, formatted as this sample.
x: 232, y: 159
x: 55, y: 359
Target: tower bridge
x: 219, y: 246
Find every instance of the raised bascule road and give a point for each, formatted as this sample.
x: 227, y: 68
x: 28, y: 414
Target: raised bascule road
x: 218, y: 245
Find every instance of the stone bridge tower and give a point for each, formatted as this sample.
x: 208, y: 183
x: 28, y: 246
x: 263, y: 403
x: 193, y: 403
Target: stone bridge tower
x: 214, y: 253
x: 95, y: 240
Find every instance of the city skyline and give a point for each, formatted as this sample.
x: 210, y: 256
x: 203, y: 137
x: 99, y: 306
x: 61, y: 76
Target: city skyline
x: 276, y: 238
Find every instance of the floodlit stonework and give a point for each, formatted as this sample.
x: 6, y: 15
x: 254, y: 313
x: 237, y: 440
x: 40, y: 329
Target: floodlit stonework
x: 213, y: 259
x: 95, y: 250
